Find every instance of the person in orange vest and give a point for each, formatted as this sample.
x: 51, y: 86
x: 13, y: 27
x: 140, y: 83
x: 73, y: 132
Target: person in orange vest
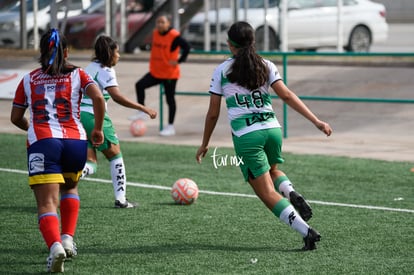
x: 167, y: 43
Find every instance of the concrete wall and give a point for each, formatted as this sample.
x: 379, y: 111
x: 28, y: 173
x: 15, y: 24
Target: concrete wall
x: 399, y: 11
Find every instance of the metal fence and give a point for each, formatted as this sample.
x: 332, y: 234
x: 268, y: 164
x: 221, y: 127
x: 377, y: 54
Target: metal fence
x: 321, y: 56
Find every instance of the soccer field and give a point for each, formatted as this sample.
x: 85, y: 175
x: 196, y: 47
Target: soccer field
x: 364, y: 210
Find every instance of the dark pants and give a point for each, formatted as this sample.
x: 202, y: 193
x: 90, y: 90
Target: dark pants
x: 169, y: 88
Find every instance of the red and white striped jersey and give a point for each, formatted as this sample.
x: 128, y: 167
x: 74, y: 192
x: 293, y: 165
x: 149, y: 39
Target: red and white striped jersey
x: 53, y: 103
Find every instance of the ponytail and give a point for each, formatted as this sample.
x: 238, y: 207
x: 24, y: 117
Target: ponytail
x: 52, y: 46
x: 248, y: 69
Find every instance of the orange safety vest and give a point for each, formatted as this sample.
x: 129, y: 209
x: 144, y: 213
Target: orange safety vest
x: 161, y: 55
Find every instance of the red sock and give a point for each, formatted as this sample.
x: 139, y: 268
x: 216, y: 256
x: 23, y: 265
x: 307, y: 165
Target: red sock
x: 69, y: 211
x: 49, y: 227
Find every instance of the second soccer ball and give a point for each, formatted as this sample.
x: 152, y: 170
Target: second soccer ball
x: 184, y: 191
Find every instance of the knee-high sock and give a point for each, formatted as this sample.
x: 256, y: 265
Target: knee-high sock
x: 283, y: 185
x: 90, y: 168
x: 287, y: 213
x: 49, y: 228
x: 118, y: 177
x: 69, y: 212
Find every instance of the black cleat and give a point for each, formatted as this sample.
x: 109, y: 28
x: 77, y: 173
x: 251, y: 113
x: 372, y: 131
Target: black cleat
x: 310, y: 239
x: 301, y: 205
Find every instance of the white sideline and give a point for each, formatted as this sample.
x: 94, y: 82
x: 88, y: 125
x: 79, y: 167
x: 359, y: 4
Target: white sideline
x: 160, y: 187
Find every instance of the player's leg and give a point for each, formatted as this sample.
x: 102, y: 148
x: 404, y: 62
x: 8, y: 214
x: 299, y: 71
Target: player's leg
x: 282, y: 184
x: 45, y: 177
x: 91, y: 166
x: 118, y: 175
x: 255, y: 168
x: 73, y: 160
x: 145, y: 82
x: 283, y: 209
x: 285, y: 187
x: 112, y: 151
x: 169, y: 88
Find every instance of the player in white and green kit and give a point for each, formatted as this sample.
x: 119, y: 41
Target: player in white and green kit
x: 102, y: 71
x: 244, y: 81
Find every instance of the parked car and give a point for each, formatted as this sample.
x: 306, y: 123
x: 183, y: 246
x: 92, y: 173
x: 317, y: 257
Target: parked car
x: 82, y: 30
x: 312, y: 24
x: 10, y: 19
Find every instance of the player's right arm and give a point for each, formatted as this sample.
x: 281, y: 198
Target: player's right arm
x: 19, y: 108
x: 212, y: 116
x: 18, y: 119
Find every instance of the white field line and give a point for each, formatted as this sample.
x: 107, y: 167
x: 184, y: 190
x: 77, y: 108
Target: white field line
x: 160, y: 187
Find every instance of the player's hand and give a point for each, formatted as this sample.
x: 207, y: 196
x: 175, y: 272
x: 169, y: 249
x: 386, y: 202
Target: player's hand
x: 201, y: 153
x: 97, y: 137
x: 324, y: 127
x: 152, y: 113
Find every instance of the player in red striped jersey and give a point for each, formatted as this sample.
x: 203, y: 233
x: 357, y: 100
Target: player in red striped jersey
x: 56, y: 143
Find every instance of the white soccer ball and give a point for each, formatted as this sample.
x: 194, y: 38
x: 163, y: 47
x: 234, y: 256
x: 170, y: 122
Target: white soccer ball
x: 138, y: 128
x: 184, y: 191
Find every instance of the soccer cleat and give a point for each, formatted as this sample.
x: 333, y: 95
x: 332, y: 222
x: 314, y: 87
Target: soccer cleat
x: 69, y: 245
x: 138, y: 115
x: 126, y: 204
x: 168, y: 131
x: 56, y: 258
x: 301, y: 205
x: 85, y: 173
x: 310, y: 239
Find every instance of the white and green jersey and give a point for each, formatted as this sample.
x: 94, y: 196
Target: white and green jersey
x: 247, y: 110
x: 104, y: 77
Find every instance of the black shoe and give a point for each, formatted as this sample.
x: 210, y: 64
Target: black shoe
x: 310, y: 239
x: 126, y: 204
x: 301, y: 205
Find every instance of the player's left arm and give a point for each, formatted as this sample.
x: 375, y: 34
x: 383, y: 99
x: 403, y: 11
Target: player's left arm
x: 119, y: 98
x: 291, y: 99
x: 185, y: 48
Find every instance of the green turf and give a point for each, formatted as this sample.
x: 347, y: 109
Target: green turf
x: 218, y: 234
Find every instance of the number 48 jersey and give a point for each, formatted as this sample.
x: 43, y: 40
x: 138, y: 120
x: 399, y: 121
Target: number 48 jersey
x: 247, y: 110
x: 53, y: 103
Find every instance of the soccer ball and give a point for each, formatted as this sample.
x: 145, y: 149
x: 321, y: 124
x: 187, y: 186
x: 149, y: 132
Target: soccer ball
x: 138, y: 128
x: 184, y: 191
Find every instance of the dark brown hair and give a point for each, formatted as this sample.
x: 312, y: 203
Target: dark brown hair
x: 104, y: 50
x: 248, y: 69
x: 52, y: 58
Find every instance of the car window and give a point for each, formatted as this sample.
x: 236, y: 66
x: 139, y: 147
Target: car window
x: 302, y: 4
x: 41, y: 4
x: 75, y: 4
x: 334, y: 3
x: 97, y: 6
x: 329, y: 3
x: 259, y: 4
x: 349, y: 2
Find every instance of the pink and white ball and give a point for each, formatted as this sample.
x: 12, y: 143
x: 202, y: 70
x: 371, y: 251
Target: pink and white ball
x: 138, y: 128
x: 184, y: 191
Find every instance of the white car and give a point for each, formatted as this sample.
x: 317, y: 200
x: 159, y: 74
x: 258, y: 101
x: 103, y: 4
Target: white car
x: 312, y: 24
x: 10, y: 19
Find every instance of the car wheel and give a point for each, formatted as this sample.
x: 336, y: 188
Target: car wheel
x: 359, y: 40
x: 274, y: 42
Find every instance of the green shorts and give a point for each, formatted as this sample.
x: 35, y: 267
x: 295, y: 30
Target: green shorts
x: 110, y: 137
x: 258, y: 151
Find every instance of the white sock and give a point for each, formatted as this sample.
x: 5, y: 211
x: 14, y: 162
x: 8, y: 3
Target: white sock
x: 89, y: 169
x: 285, y: 187
x: 294, y: 220
x: 118, y: 178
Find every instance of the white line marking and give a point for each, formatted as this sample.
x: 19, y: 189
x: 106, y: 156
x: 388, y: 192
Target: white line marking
x: 160, y: 187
